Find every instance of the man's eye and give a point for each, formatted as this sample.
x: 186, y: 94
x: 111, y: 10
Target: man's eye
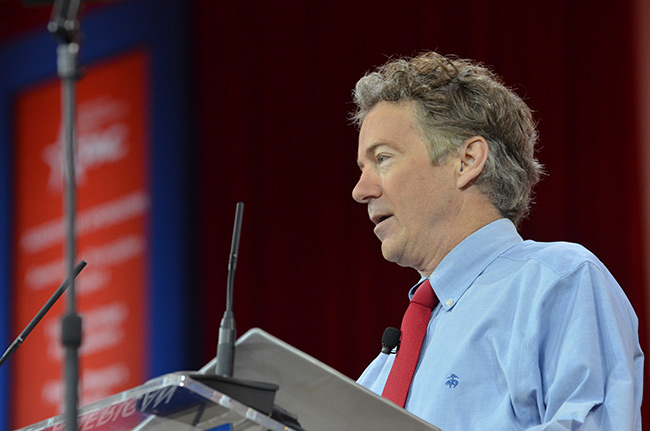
x: 381, y: 158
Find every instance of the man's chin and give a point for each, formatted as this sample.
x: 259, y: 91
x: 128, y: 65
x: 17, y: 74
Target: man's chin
x: 390, y: 252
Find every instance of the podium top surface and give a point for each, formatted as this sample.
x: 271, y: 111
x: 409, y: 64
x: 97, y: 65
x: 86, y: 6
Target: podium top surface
x: 322, y: 398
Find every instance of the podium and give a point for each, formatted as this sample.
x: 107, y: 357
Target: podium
x: 173, y: 402
x: 322, y: 398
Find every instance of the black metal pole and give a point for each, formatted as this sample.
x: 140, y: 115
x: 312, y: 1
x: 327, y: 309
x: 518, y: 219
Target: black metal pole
x: 65, y: 27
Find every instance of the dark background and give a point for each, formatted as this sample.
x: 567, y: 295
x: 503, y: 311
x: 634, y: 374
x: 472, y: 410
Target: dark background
x: 270, y: 93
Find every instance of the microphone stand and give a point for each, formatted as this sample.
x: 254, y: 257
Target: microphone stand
x: 65, y: 27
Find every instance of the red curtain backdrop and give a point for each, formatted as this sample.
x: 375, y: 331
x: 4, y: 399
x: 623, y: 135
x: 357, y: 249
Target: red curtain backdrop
x: 273, y: 83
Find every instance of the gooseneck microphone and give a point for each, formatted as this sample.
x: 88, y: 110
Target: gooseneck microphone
x: 50, y: 302
x: 227, y: 329
x: 390, y: 340
x: 258, y: 395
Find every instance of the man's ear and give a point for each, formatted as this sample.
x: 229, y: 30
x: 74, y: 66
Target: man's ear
x: 472, y: 158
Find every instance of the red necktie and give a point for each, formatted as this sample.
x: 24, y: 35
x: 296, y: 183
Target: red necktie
x: 414, y: 326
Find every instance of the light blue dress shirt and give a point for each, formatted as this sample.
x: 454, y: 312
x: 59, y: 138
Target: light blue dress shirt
x: 527, y: 336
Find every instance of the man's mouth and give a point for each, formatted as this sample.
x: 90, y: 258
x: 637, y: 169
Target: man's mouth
x: 380, y: 218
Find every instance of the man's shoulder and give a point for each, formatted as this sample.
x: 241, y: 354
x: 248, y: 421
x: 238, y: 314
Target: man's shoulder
x: 534, y: 272
x: 559, y: 257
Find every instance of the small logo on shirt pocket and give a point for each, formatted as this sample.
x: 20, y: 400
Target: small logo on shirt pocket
x: 452, y: 381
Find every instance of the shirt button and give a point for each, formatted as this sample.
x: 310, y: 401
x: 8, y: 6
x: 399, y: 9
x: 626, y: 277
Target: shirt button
x: 449, y: 302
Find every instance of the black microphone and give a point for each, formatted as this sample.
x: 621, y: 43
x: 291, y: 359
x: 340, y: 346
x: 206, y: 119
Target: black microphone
x: 258, y: 395
x: 50, y: 302
x: 390, y: 339
x: 227, y: 329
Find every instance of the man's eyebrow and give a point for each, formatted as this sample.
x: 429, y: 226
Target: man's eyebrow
x: 371, y: 149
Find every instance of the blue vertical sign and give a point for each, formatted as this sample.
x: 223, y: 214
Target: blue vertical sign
x: 160, y: 29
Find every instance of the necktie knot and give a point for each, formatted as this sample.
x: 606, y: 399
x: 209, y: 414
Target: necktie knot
x: 424, y: 295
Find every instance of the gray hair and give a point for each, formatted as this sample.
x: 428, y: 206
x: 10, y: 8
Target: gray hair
x: 455, y: 100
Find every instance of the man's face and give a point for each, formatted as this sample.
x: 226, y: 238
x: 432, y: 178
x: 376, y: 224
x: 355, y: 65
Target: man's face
x: 412, y: 202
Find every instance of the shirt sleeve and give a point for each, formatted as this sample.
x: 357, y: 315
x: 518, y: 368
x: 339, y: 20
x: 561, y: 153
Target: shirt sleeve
x: 375, y: 375
x: 589, y: 363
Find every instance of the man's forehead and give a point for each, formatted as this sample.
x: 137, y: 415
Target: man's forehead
x: 386, y: 120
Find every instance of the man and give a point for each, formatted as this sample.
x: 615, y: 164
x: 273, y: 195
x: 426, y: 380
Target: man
x: 525, y: 335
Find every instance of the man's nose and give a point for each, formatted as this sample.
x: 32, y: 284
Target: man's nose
x: 367, y: 188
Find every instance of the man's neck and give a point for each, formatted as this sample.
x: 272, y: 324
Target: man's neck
x: 475, y: 214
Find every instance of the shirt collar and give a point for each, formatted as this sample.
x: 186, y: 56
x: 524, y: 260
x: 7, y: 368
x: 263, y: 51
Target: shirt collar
x: 462, y: 265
